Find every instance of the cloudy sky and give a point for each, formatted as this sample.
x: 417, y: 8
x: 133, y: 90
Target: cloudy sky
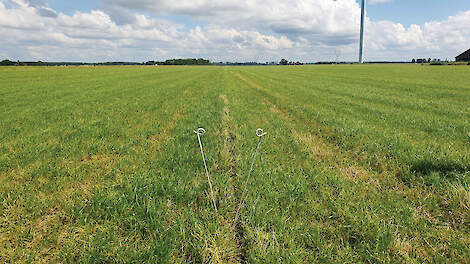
x: 230, y: 30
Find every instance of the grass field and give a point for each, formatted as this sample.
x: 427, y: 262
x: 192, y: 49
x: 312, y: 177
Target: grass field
x: 361, y: 164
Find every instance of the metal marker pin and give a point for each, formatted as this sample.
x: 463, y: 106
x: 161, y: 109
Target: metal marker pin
x: 199, y: 132
x: 260, y: 134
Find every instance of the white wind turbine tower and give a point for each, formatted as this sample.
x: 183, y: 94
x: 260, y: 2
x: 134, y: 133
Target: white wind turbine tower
x: 361, y: 44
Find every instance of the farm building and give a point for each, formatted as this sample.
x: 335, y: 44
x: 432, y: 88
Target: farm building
x: 464, y: 56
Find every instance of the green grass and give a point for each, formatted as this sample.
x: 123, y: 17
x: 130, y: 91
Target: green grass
x: 361, y: 164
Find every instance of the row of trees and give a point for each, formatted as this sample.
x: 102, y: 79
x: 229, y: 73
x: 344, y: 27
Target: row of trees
x: 180, y: 62
x: 21, y: 63
x: 429, y: 60
x: 286, y: 62
x: 7, y: 63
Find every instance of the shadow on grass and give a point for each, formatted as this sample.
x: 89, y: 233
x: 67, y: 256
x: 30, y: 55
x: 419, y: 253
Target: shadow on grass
x: 434, y: 172
x: 444, y: 167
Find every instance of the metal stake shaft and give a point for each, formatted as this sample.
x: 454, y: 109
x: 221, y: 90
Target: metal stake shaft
x: 260, y: 133
x: 200, y: 132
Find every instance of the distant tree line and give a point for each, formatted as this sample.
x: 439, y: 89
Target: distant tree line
x: 116, y: 63
x: 249, y: 63
x: 199, y: 61
x: 286, y: 62
x: 111, y: 63
x: 7, y: 63
x: 331, y: 62
x: 21, y: 63
x: 429, y: 60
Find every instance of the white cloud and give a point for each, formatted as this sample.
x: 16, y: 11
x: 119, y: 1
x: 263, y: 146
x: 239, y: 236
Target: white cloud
x: 277, y: 16
x: 442, y: 39
x: 33, y: 36
x: 229, y: 30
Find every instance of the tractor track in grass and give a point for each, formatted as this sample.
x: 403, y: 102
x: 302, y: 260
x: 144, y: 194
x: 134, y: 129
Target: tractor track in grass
x: 322, y: 152
x: 157, y: 140
x: 229, y: 164
x: 227, y: 153
x: 318, y: 149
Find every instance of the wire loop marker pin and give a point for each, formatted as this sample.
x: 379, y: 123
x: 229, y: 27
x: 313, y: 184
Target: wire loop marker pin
x: 200, y: 132
x: 260, y: 134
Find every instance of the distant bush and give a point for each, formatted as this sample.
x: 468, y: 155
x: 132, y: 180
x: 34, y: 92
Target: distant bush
x: 184, y: 62
x: 6, y: 63
x: 437, y: 63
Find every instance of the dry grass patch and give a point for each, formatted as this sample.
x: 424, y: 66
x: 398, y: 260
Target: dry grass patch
x: 97, y: 159
x: 165, y: 131
x: 225, y: 99
x: 324, y: 152
x: 220, y: 247
x: 317, y: 148
x: 258, y: 87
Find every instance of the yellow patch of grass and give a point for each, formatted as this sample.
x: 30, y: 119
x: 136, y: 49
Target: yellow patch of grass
x: 158, y: 138
x: 266, y: 241
x: 257, y: 86
x: 320, y: 150
x: 221, y: 247
x: 317, y: 148
x: 225, y: 99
